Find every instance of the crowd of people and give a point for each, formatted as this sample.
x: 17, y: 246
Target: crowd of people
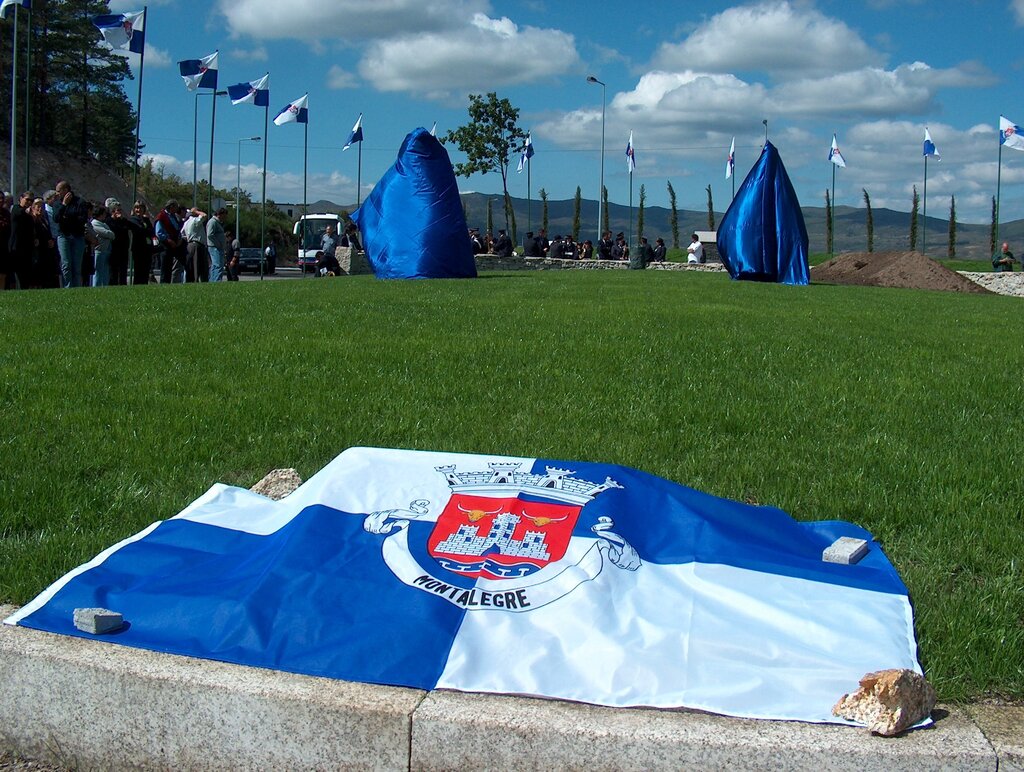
x: 566, y: 248
x: 61, y: 240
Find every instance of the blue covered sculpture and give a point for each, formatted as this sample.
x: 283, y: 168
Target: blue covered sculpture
x: 762, y: 236
x: 412, y: 223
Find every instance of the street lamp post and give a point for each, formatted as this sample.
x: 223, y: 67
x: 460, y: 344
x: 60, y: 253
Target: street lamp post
x: 600, y: 192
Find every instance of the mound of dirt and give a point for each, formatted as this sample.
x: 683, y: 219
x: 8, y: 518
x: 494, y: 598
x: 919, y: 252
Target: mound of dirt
x: 910, y: 270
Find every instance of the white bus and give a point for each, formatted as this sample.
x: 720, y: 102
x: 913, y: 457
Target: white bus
x: 310, y: 230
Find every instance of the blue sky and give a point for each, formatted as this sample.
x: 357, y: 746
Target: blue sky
x: 684, y: 82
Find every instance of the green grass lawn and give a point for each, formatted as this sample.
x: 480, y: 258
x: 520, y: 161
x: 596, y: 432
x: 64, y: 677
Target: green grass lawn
x: 898, y: 410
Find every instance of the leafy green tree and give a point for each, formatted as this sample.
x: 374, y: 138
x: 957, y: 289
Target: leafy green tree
x: 914, y: 210
x: 489, y: 140
x: 605, y: 226
x: 870, y: 221
x: 711, y: 210
x: 951, y: 250
x: 578, y: 205
x: 544, y: 209
x: 674, y: 216
x: 640, y: 213
x: 828, y: 222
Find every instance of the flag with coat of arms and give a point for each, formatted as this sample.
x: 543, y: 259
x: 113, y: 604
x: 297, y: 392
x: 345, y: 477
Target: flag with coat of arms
x: 199, y: 73
x: 294, y: 112
x: 834, y: 155
x: 253, y: 92
x: 1010, y: 134
x: 123, y: 30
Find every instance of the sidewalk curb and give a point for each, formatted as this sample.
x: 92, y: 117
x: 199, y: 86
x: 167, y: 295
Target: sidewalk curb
x: 83, y: 704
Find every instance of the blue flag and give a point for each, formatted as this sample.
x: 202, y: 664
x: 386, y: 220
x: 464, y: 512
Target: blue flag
x: 12, y: 4
x: 254, y: 92
x: 294, y: 112
x: 199, y: 73
x: 412, y: 222
x: 762, y: 236
x: 571, y: 580
x: 356, y: 135
x: 929, y: 146
x: 527, y: 153
x: 123, y: 30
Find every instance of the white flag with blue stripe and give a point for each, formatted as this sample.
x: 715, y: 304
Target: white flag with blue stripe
x: 1010, y: 134
x: 356, y: 135
x: 123, y: 30
x: 578, y: 581
x: 527, y: 153
x: 199, y: 73
x: 294, y: 112
x: 929, y: 146
x: 253, y: 92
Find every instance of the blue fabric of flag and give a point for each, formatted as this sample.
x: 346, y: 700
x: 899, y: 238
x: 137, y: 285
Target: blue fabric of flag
x: 254, y: 92
x: 199, y: 73
x: 294, y: 112
x: 929, y: 146
x: 356, y: 135
x: 573, y: 580
x: 413, y: 224
x: 123, y: 30
x: 762, y: 236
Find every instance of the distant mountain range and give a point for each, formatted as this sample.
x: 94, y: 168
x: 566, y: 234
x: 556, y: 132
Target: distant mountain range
x: 892, y: 229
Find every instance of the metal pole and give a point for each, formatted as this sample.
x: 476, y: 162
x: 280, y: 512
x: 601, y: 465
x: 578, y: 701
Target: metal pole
x: 28, y: 80
x: 238, y: 190
x: 305, y: 158
x: 924, y: 217
x: 831, y: 235
x: 529, y: 198
x: 14, y: 96
x: 138, y: 116
x: 213, y: 124
x: 263, y: 194
x: 999, y: 178
x: 629, y: 241
x: 359, y: 175
x: 600, y: 192
x: 195, y: 145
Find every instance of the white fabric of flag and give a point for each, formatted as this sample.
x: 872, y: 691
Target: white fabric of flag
x: 730, y: 163
x: 630, y: 155
x: 527, y: 153
x: 294, y: 112
x: 123, y: 30
x: 1010, y: 134
x: 834, y: 155
x: 572, y: 580
x: 10, y: 5
x: 356, y: 135
x: 199, y: 73
x: 929, y: 146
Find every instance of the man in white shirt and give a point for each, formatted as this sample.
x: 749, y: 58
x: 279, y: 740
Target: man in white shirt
x: 696, y: 251
x: 194, y: 231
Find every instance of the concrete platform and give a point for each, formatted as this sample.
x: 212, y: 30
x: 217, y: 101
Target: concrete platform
x: 86, y: 704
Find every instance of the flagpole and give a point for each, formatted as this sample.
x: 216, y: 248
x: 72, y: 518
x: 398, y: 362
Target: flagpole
x: 28, y: 80
x: 263, y: 195
x: 213, y: 124
x: 138, y: 122
x: 832, y: 215
x: 305, y: 160
x: 359, y: 174
x: 14, y: 96
x: 924, y: 217
x: 529, y: 197
x: 195, y: 148
x: 999, y: 182
x: 629, y: 242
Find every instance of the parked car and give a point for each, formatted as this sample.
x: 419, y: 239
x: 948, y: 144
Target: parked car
x: 250, y: 258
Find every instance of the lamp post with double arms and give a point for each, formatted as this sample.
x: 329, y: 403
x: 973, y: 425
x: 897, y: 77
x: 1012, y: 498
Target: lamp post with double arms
x: 600, y: 192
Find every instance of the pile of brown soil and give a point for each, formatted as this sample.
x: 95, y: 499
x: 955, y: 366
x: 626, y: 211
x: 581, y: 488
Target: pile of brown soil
x: 911, y: 270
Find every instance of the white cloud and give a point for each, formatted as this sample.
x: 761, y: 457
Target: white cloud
x: 774, y: 37
x: 337, y: 78
x: 353, y: 20
x: 155, y: 57
x: 254, y: 54
x: 1017, y: 6
x: 484, y: 54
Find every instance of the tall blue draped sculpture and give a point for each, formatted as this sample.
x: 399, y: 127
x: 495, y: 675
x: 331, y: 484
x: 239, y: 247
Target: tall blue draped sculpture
x: 762, y: 236
x: 412, y: 223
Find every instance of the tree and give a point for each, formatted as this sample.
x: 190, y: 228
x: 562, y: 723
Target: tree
x: 871, y: 221
x: 640, y: 213
x: 913, y: 221
x: 828, y: 223
x: 606, y: 225
x: 488, y: 140
x: 544, y: 209
x: 711, y: 210
x: 576, y: 214
x: 993, y: 229
x: 951, y: 251
x: 674, y: 216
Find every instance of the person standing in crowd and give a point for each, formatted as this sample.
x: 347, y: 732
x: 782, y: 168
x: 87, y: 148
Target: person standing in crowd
x: 168, y: 235
x: 270, y: 253
x: 231, y: 269
x: 543, y: 245
x: 695, y: 251
x: 23, y: 242
x: 529, y: 245
x: 659, y: 250
x: 587, y: 250
x: 45, y: 264
x: 1003, y: 260
x: 71, y: 216
x: 329, y: 241
x: 503, y: 245
x: 197, y: 265
x: 569, y: 249
x: 142, y: 243
x: 350, y: 238
x: 91, y: 243
x: 217, y: 242
x: 102, y: 250
x: 122, y: 244
x: 646, y: 252
x: 556, y: 250
x: 5, y: 245
x: 474, y: 242
x: 605, y: 246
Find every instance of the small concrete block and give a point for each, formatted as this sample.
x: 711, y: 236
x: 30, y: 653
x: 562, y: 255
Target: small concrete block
x: 98, y: 620
x: 845, y: 550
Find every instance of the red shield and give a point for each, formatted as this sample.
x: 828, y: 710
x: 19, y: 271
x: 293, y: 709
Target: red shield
x: 505, y: 538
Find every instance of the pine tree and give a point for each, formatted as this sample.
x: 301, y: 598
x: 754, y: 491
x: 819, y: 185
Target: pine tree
x: 607, y: 217
x: 674, y: 216
x: 576, y: 214
x: 544, y: 209
x: 640, y: 213
x: 828, y: 222
x: 951, y: 252
x: 870, y: 221
x: 711, y: 210
x: 913, y: 221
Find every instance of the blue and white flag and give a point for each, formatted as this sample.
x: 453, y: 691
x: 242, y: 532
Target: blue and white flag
x: 730, y: 163
x: 433, y: 129
x: 356, y: 135
x: 294, y: 112
x: 255, y: 92
x: 123, y: 30
x: 929, y: 146
x: 199, y: 73
x: 577, y: 581
x: 834, y: 155
x: 527, y: 153
x: 1010, y: 134
x: 11, y: 4
x: 630, y: 155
